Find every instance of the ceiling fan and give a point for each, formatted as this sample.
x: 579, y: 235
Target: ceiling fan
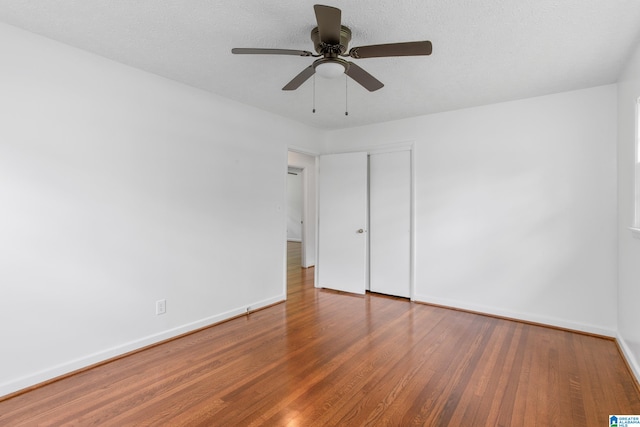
x: 331, y: 39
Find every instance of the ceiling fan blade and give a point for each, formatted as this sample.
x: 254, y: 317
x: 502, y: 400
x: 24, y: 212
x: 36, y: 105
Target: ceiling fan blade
x: 365, y: 79
x: 300, y: 78
x: 328, y: 23
x: 259, y: 51
x: 392, y: 49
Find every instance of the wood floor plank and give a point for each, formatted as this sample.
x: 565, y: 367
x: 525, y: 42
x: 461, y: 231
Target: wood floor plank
x: 329, y: 358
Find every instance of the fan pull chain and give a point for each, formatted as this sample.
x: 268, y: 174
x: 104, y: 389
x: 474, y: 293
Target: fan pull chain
x: 346, y: 96
x: 314, y: 94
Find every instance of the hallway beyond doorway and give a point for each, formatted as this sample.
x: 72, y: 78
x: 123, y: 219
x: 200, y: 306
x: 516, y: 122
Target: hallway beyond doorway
x: 298, y: 278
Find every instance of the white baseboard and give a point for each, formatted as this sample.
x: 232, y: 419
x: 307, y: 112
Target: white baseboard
x: 628, y: 355
x: 525, y: 317
x: 44, y: 375
x: 293, y: 239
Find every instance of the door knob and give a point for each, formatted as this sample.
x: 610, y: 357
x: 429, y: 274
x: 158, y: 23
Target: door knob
x: 360, y: 231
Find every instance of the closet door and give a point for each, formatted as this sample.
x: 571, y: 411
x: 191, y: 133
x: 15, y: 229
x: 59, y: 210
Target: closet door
x: 390, y: 223
x: 342, y: 222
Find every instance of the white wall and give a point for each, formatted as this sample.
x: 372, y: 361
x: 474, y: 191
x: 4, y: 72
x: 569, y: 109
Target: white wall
x: 114, y: 193
x: 515, y: 206
x: 308, y: 164
x: 628, y: 246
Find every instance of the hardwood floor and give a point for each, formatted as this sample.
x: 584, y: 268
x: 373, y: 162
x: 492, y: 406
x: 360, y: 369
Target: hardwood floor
x: 327, y: 358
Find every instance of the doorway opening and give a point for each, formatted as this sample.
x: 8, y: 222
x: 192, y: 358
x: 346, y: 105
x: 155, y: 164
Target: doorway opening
x: 295, y: 205
x: 301, y: 217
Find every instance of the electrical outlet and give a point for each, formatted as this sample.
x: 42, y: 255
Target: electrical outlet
x: 161, y: 306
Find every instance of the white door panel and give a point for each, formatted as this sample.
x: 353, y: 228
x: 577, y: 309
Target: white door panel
x: 390, y: 223
x: 342, y: 233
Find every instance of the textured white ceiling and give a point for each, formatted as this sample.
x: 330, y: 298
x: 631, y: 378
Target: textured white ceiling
x: 483, y: 51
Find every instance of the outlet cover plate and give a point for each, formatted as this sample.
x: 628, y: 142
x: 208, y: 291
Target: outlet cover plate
x: 161, y: 306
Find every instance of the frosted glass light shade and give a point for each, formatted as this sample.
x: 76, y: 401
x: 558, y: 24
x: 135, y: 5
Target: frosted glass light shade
x: 330, y: 70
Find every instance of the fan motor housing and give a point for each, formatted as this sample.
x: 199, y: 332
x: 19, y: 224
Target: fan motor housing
x: 321, y: 48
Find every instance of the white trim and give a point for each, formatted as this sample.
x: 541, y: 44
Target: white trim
x: 392, y: 148
x: 317, y: 230
x: 525, y: 317
x: 285, y: 234
x: 628, y: 355
x: 378, y: 149
x: 412, y: 239
x: 30, y: 380
x: 306, y: 151
x: 636, y: 170
x: 635, y: 232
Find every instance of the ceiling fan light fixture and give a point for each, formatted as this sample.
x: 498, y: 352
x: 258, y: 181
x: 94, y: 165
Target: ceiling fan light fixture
x: 331, y: 41
x: 330, y: 69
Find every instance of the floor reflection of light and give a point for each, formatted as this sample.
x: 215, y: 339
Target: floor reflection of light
x: 292, y: 416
